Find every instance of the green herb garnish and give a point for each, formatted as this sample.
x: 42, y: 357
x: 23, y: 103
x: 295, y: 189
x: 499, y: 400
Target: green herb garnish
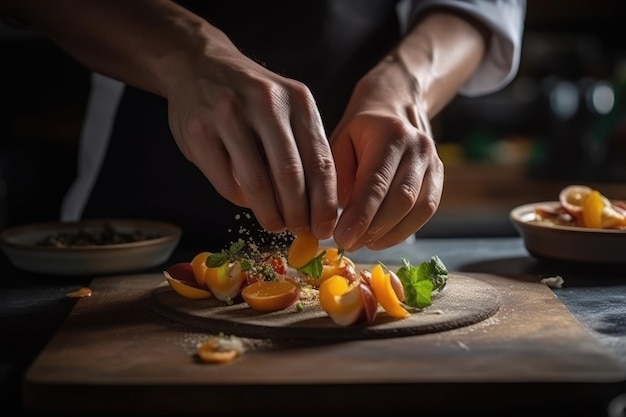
x: 314, y: 267
x: 420, y: 281
x: 218, y: 259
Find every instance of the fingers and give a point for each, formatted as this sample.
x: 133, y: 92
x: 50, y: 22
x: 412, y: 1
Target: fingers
x: 320, y: 172
x: 249, y: 166
x: 422, y: 210
x: 397, y: 188
x: 264, y: 148
x: 299, y: 159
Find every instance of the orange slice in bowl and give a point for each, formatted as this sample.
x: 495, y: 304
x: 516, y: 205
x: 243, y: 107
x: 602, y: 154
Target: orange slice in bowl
x: 268, y: 296
x: 592, y: 210
x: 599, y: 213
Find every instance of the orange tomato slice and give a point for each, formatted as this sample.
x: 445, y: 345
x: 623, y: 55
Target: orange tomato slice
x: 187, y: 290
x: 385, y: 294
x: 341, y: 300
x: 268, y: 296
x: 303, y: 248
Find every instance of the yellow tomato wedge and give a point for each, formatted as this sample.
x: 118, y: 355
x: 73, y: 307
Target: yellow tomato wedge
x: 341, y: 300
x: 225, y: 281
x: 332, y: 264
x: 186, y: 289
x: 268, y: 296
x: 385, y: 294
x: 303, y: 248
x: 198, y: 264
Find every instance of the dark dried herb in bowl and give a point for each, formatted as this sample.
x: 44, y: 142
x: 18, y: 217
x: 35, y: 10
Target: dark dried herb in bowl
x: 106, y: 235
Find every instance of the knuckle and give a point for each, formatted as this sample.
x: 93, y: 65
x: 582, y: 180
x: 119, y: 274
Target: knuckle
x: 290, y: 170
x: 399, y: 129
x: 226, y: 104
x: 379, y: 183
x: 406, y: 196
x: 256, y: 186
x: 271, y: 95
x: 430, y: 204
x: 323, y: 165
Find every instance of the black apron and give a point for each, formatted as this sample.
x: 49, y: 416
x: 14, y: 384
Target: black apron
x: 328, y: 45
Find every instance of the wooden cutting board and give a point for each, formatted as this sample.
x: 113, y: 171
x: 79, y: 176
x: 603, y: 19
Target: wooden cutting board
x: 463, y: 301
x: 114, y: 353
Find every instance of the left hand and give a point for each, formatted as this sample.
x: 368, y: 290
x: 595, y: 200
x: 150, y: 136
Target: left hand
x: 390, y: 177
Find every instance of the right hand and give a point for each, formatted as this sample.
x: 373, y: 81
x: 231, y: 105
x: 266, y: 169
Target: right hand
x: 256, y: 136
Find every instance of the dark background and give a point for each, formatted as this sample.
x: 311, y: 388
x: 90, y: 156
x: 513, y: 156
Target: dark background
x: 44, y: 91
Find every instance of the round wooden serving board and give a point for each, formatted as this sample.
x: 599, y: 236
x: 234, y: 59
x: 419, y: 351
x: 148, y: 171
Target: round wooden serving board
x: 464, y: 301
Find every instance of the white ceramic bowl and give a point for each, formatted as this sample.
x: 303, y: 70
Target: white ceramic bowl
x: 567, y: 243
x: 22, y: 247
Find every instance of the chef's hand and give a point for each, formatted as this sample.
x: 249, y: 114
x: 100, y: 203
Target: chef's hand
x: 257, y: 137
x: 390, y: 177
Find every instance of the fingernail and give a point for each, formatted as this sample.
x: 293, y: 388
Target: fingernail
x: 324, y: 230
x: 299, y: 230
x: 345, y: 239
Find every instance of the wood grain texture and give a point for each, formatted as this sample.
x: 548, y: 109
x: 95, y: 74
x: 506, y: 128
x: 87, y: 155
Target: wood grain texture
x: 115, y: 354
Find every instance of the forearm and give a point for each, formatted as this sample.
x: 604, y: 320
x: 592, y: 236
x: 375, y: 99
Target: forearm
x: 441, y: 52
x: 143, y: 43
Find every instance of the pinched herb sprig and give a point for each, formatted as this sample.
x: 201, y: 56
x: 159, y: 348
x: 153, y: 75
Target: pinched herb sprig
x: 420, y: 281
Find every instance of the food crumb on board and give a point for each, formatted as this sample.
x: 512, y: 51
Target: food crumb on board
x: 553, y: 282
x: 80, y: 293
x: 219, y: 349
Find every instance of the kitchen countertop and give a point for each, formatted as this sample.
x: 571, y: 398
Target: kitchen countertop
x: 33, y: 306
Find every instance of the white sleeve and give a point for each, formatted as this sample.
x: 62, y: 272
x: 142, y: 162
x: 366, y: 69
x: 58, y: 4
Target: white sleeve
x: 104, y: 98
x: 505, y: 18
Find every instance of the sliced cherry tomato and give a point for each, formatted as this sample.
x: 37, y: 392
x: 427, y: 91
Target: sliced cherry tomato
x: 225, y: 281
x: 303, y: 248
x: 268, y: 296
x: 342, y: 300
x: 385, y: 293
